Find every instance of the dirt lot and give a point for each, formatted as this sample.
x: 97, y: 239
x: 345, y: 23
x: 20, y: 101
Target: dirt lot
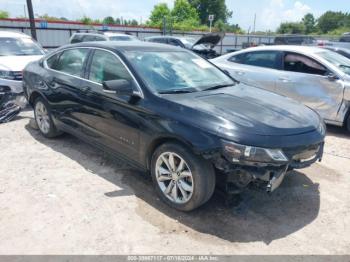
x: 65, y: 197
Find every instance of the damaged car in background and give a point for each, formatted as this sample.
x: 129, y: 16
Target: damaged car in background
x: 16, y: 51
x: 204, y: 46
x: 316, y: 77
x: 168, y: 111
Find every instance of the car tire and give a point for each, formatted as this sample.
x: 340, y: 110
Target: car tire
x: 182, y: 179
x: 43, y: 119
x: 347, y: 123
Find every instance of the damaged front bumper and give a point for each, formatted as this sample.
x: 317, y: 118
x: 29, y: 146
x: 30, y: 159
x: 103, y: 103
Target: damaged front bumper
x: 238, y: 173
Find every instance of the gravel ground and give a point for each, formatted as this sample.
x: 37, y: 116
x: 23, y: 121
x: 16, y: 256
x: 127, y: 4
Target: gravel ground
x: 63, y: 196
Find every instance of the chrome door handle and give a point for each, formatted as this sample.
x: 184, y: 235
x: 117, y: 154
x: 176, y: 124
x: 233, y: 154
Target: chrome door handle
x: 239, y: 73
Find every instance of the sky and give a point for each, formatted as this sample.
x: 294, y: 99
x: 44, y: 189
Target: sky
x: 269, y: 13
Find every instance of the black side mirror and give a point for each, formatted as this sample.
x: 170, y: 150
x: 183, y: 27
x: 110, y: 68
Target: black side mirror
x: 332, y: 77
x: 120, y: 87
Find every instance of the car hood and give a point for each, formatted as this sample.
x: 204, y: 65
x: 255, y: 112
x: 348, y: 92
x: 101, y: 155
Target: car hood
x: 16, y: 63
x: 247, y: 109
x: 211, y: 39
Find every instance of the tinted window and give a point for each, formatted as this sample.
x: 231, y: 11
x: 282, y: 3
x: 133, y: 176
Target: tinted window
x: 52, y: 60
x: 302, y: 64
x: 237, y: 58
x: 268, y: 59
x: 91, y: 38
x: 106, y: 66
x: 122, y: 38
x: 77, y: 39
x: 174, y: 42
x: 159, y: 40
x: 72, y: 61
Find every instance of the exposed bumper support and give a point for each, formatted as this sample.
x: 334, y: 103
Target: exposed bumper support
x: 237, y: 176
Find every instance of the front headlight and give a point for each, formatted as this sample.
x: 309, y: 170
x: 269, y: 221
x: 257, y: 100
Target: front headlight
x: 5, y: 74
x: 237, y: 153
x: 322, y: 128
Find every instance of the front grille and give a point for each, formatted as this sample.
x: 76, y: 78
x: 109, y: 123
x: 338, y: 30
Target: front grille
x: 17, y: 75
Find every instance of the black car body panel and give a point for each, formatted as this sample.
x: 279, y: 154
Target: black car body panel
x: 134, y: 127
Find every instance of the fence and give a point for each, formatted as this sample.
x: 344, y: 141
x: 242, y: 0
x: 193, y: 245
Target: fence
x: 53, y: 34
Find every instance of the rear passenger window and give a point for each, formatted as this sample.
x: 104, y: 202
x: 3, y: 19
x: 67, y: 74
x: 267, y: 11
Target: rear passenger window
x: 268, y: 59
x: 106, y: 66
x: 72, y: 61
x: 302, y: 64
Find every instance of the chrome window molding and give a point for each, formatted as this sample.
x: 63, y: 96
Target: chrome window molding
x: 139, y: 92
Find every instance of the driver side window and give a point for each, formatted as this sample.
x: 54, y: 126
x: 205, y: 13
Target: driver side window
x: 106, y: 66
x: 301, y: 64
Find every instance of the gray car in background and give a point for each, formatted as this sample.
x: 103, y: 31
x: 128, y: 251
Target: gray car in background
x: 317, y: 77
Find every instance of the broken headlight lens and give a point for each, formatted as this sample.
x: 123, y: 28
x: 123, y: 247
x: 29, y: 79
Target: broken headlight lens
x: 237, y: 153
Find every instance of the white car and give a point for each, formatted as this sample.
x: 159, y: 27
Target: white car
x: 16, y: 51
x: 317, y: 77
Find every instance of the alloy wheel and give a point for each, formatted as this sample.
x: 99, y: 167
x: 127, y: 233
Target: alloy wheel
x: 174, y: 177
x: 42, y: 117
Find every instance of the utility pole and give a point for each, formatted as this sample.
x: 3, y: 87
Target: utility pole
x: 254, y: 23
x: 164, y: 26
x: 31, y: 19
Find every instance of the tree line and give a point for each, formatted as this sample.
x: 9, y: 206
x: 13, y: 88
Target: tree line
x: 330, y: 23
x: 187, y: 15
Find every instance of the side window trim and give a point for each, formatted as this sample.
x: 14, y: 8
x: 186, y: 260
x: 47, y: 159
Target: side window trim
x: 88, y: 63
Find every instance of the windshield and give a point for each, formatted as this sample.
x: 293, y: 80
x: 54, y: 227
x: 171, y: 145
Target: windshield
x: 19, y: 46
x: 336, y: 59
x: 176, y: 71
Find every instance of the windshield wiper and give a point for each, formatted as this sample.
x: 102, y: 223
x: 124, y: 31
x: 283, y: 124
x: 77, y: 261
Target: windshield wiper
x: 217, y: 87
x: 176, y: 91
x: 346, y: 66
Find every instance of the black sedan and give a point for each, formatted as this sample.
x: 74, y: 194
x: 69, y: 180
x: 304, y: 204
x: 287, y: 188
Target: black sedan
x: 169, y: 111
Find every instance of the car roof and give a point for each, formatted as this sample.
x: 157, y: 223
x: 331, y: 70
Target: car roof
x: 125, y: 46
x: 116, y: 34
x: 288, y: 48
x: 164, y: 36
x: 87, y: 33
x: 13, y: 34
